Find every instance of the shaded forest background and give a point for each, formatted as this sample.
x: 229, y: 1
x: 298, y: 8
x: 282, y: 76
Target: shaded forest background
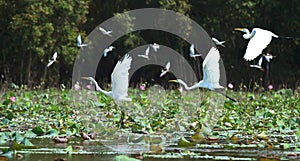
x: 31, y: 30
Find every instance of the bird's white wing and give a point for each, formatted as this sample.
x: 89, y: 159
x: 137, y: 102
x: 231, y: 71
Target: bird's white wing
x: 79, y: 41
x: 50, y: 63
x: 144, y: 56
x: 147, y: 51
x: 258, y: 43
x: 155, y: 47
x: 111, y: 48
x: 102, y: 30
x: 120, y: 78
x: 255, y: 66
x: 260, y: 61
x: 192, y: 50
x: 215, y: 40
x: 163, y: 72
x: 211, y: 71
x: 168, y: 66
x: 54, y: 56
x: 268, y: 57
x: 105, y: 52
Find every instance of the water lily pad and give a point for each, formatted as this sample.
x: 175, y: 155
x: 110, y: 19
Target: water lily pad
x: 52, y: 132
x: 125, y: 158
x: 38, y: 130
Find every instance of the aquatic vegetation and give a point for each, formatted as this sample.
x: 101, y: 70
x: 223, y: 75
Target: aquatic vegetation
x: 157, y: 119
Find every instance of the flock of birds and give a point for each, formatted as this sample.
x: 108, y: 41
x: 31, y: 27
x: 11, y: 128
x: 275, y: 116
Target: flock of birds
x: 259, y: 39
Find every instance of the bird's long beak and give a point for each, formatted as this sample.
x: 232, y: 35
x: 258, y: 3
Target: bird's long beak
x: 85, y: 78
x: 239, y: 29
x: 175, y: 81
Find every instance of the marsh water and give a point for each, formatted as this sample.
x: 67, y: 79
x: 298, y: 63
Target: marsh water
x: 152, y: 148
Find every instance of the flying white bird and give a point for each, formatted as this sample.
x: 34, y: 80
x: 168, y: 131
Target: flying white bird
x: 155, y: 46
x: 146, y: 55
x: 104, y: 32
x: 259, y: 40
x: 164, y: 71
x: 192, y: 52
x: 110, y: 48
x: 268, y: 57
x: 51, y: 61
x: 211, y: 72
x: 119, y: 81
x: 258, y: 64
x: 79, y: 42
x: 217, y: 42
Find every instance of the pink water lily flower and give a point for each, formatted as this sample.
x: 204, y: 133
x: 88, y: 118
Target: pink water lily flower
x: 230, y: 85
x: 270, y: 86
x: 142, y: 87
x: 76, y: 87
x: 12, y: 99
x: 88, y: 86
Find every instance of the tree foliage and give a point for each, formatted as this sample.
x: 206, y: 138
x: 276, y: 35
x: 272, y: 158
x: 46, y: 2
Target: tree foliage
x: 31, y: 30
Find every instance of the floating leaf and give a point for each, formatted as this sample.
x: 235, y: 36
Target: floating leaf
x: 125, y: 158
x: 17, y: 146
x: 100, y: 104
x: 29, y: 134
x: 27, y: 143
x: 198, y: 137
x: 155, y: 148
x: 69, y: 148
x: 38, y: 130
x: 17, y: 137
x: 185, y: 143
x: 263, y: 136
x: 52, y: 132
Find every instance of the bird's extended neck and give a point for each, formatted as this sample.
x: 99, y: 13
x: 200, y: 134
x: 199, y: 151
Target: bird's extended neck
x: 187, y: 87
x: 98, y: 88
x: 247, y: 34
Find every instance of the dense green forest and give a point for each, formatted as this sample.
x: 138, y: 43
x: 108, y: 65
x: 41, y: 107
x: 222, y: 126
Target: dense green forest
x: 31, y: 30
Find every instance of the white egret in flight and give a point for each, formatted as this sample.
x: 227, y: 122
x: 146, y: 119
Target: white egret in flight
x: 211, y: 72
x: 146, y: 55
x: 217, y: 42
x: 258, y: 64
x: 110, y: 48
x: 192, y: 52
x: 155, y: 46
x: 105, y: 32
x: 268, y: 57
x: 259, y: 40
x: 51, y: 61
x: 79, y: 41
x: 164, y: 71
x: 119, y: 81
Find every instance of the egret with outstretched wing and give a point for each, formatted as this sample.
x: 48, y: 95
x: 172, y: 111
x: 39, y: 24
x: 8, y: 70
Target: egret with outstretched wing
x: 211, y: 72
x: 155, y: 47
x: 110, y: 48
x: 259, y: 40
x: 192, y: 52
x: 269, y: 57
x: 51, y: 61
x: 217, y: 42
x: 105, y: 32
x: 79, y: 42
x: 146, y: 55
x: 258, y: 64
x: 119, y: 81
x: 164, y: 71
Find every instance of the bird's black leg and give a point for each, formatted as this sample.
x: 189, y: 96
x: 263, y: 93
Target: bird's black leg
x: 122, y: 119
